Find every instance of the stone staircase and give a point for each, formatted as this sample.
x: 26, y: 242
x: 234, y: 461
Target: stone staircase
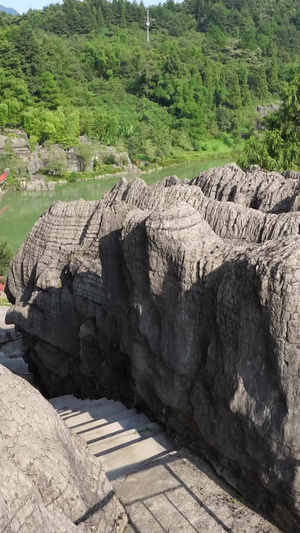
x: 122, y: 438
x: 163, y: 490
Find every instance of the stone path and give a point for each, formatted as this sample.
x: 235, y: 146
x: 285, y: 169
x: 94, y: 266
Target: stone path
x: 11, y: 350
x: 163, y: 491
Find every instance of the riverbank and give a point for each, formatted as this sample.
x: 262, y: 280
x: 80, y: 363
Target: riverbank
x: 190, y: 157
x: 216, y: 149
x: 19, y: 210
x: 86, y: 176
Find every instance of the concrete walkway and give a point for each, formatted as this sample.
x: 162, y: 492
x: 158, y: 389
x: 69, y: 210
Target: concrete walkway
x: 162, y: 490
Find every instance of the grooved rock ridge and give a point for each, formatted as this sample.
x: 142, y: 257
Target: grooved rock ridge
x: 49, y: 481
x: 186, y: 295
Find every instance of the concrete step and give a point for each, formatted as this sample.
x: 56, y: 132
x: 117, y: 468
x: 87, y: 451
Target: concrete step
x: 83, y: 429
x: 81, y: 406
x: 66, y: 405
x: 126, y: 438
x: 55, y: 402
x: 115, y: 427
x: 95, y: 413
x: 125, y: 460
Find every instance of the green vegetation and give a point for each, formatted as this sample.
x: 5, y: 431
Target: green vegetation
x: 85, y: 68
x: 5, y: 256
x: 83, y: 175
x: 279, y: 147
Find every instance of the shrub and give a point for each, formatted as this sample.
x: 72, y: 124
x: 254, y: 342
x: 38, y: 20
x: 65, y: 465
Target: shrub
x: 110, y: 160
x: 5, y: 256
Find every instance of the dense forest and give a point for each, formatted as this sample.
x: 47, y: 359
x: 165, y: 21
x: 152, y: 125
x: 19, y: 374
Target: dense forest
x: 278, y: 147
x: 86, y: 68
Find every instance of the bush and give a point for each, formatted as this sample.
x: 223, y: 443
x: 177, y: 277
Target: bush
x: 86, y: 151
x: 12, y: 184
x: 110, y: 160
x: 54, y: 168
x: 5, y: 256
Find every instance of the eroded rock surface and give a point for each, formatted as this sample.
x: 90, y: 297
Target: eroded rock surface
x: 49, y: 482
x: 47, y: 158
x: 257, y: 188
x: 188, y: 297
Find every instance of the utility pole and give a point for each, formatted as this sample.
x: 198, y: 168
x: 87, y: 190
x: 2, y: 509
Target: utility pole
x: 148, y: 26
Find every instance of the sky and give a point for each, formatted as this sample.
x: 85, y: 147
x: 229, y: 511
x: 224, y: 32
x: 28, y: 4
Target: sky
x: 21, y: 6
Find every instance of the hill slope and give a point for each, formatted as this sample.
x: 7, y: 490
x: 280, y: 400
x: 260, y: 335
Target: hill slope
x: 8, y: 10
x: 85, y: 68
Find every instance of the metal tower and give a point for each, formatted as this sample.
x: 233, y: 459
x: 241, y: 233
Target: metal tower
x: 148, y: 26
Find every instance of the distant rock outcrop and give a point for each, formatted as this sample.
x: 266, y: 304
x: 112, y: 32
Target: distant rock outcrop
x: 264, y: 111
x: 39, y: 184
x: 186, y: 296
x: 49, y: 482
x: 55, y: 157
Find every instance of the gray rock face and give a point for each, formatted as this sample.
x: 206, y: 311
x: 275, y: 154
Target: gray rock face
x: 12, y: 351
x: 266, y: 110
x: 259, y: 189
x: 70, y: 159
x: 39, y: 184
x: 186, y: 296
x: 49, y: 482
x: 10, y: 340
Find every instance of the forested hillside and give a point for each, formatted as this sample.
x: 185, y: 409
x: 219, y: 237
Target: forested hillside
x: 85, y: 68
x: 278, y: 148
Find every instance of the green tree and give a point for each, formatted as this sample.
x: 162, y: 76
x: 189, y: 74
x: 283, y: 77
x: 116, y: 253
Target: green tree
x: 5, y: 256
x: 272, y: 75
x: 278, y: 148
x: 48, y: 90
x: 86, y: 150
x: 248, y: 39
x: 258, y: 81
x: 234, y: 98
x: 3, y: 115
x: 224, y: 119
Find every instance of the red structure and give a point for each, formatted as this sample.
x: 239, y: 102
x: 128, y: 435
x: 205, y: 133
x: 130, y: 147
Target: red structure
x: 2, y: 285
x: 3, y: 178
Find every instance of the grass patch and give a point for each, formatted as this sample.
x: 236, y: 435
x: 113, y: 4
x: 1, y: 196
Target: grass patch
x: 4, y: 301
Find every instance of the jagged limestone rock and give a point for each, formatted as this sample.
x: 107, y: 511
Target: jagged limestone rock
x: 190, y: 302
x: 256, y: 188
x: 49, y: 482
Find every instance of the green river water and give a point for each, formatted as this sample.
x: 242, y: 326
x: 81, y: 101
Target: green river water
x: 20, y: 210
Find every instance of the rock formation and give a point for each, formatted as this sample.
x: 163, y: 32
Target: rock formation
x: 40, y: 184
x: 185, y: 296
x: 70, y: 159
x: 263, y: 112
x: 11, y: 348
x: 49, y: 482
x: 262, y: 190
